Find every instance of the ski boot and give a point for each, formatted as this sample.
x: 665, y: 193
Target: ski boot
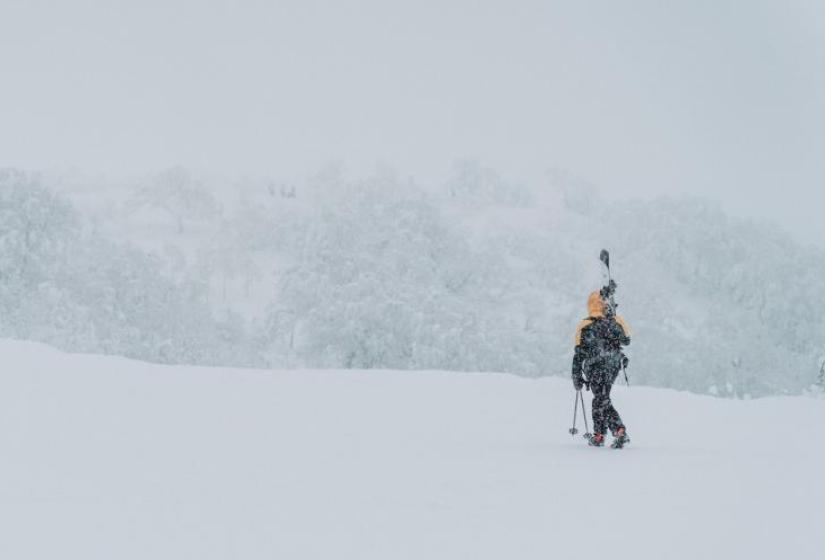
x: 596, y: 440
x: 620, y: 438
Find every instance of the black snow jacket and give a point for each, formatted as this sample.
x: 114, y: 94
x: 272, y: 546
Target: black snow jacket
x: 598, y: 354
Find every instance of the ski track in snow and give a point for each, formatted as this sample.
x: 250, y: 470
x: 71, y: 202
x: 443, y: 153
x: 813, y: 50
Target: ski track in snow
x: 106, y: 458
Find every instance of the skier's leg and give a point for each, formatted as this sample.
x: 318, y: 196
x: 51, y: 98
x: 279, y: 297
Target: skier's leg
x: 612, y: 418
x: 600, y: 399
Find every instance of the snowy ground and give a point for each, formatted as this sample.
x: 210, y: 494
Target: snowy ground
x: 104, y: 458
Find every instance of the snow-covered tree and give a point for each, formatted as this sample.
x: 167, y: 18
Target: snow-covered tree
x: 471, y: 181
x: 226, y: 256
x: 179, y: 195
x: 80, y: 291
x: 386, y: 278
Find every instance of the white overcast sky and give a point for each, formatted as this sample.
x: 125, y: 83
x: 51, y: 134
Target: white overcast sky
x: 718, y: 98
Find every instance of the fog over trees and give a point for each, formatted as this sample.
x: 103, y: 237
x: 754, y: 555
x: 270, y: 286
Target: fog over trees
x: 475, y: 273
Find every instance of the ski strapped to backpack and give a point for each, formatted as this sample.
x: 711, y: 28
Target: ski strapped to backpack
x: 607, y: 294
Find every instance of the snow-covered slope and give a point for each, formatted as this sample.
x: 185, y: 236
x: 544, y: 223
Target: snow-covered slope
x: 105, y: 458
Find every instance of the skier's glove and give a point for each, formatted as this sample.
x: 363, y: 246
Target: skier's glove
x: 578, y: 384
x: 625, y: 361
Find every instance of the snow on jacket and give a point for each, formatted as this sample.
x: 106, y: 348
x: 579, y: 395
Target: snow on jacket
x: 599, y: 340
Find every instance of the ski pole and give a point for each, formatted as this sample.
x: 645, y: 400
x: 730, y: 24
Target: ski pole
x: 626, y: 382
x: 584, y: 416
x: 573, y: 431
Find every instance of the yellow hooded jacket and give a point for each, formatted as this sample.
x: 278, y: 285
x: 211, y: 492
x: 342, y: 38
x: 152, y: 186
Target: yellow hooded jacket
x: 595, y: 308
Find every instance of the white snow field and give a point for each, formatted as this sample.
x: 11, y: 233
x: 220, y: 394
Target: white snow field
x: 106, y: 458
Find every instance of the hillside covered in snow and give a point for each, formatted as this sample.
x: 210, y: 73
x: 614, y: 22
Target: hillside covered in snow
x: 109, y: 458
x: 477, y: 273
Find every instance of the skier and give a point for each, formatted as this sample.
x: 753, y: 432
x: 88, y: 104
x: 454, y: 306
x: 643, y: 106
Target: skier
x: 597, y: 361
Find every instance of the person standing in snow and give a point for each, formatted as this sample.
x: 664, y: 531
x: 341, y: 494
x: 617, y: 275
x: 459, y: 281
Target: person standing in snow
x: 597, y: 361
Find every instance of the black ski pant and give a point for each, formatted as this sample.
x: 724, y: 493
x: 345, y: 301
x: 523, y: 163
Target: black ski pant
x: 604, y: 413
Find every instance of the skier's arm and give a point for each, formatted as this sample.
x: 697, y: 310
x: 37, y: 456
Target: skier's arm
x: 624, y: 340
x: 578, y: 356
x: 578, y: 361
